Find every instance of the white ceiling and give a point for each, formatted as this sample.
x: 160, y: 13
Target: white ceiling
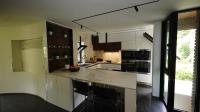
x: 64, y: 11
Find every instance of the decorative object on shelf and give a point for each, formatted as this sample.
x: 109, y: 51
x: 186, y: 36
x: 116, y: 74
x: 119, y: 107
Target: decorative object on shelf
x: 67, y: 66
x: 50, y: 33
x: 57, y: 57
x: 65, y: 56
x: 65, y: 35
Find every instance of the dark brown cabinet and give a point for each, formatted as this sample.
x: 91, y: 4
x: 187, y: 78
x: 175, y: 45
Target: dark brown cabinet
x: 60, y: 46
x: 112, y: 46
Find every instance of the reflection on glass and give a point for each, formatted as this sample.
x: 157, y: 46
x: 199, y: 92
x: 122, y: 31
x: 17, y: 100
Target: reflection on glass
x: 165, y: 88
x: 167, y: 45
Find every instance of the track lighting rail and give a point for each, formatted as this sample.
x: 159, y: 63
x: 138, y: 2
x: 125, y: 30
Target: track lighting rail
x: 117, y: 10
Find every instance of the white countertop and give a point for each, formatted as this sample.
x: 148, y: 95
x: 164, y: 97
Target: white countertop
x: 113, y: 78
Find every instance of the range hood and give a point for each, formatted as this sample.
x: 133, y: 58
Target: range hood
x: 81, y: 47
x: 80, y: 50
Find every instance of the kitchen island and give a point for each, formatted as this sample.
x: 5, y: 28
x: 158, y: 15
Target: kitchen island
x: 124, y: 80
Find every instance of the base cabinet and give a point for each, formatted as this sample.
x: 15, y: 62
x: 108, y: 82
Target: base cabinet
x: 103, y: 98
x: 59, y: 92
x: 130, y: 100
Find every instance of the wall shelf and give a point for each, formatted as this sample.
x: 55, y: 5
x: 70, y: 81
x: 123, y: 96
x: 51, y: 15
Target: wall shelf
x: 60, y: 44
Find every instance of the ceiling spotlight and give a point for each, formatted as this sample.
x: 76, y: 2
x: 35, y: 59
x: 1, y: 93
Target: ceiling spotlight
x: 136, y: 9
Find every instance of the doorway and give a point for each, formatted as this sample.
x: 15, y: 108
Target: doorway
x: 178, y: 66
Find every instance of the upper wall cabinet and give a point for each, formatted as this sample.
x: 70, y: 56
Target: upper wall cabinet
x: 60, y: 46
x: 102, y: 38
x: 111, y: 46
x: 129, y: 40
x: 142, y: 42
x: 120, y: 37
x: 114, y: 38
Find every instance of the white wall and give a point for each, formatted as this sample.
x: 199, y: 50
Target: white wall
x: 21, y: 82
x: 156, y: 58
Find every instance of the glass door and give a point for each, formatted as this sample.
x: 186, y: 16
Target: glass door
x: 169, y: 31
x: 180, y: 61
x: 185, y: 51
x: 165, y: 68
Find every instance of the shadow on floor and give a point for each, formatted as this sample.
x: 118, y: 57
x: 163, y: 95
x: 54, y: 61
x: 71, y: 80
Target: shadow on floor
x: 147, y: 103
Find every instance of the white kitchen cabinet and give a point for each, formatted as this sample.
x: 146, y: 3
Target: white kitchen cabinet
x: 59, y: 92
x: 130, y: 100
x: 142, y: 42
x: 126, y: 36
x: 52, y: 89
x: 65, y: 93
x: 111, y: 66
x: 106, y: 66
x: 129, y: 45
x: 145, y: 78
x: 102, y: 38
x: 120, y: 37
x: 114, y: 38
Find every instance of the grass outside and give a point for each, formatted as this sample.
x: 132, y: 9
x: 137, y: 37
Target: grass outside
x: 184, y: 75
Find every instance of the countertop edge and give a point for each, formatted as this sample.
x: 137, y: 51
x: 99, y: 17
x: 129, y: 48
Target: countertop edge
x: 67, y: 75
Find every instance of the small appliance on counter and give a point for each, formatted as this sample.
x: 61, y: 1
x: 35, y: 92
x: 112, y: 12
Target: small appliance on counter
x: 108, y: 61
x: 136, y: 61
x: 99, y: 60
x: 74, y: 68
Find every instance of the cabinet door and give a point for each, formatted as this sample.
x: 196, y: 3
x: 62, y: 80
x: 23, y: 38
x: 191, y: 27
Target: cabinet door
x: 52, y: 89
x: 129, y: 45
x: 120, y: 37
x: 65, y: 94
x: 145, y: 78
x: 126, y: 36
x: 111, y: 66
x: 102, y: 38
x: 115, y: 37
x: 59, y: 92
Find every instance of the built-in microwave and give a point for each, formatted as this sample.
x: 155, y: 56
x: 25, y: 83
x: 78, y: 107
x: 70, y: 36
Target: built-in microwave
x: 136, y: 61
x: 142, y: 54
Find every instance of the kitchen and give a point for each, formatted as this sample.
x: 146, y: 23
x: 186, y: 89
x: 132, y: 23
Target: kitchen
x: 120, y: 42
x: 96, y: 56
x: 100, y: 67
